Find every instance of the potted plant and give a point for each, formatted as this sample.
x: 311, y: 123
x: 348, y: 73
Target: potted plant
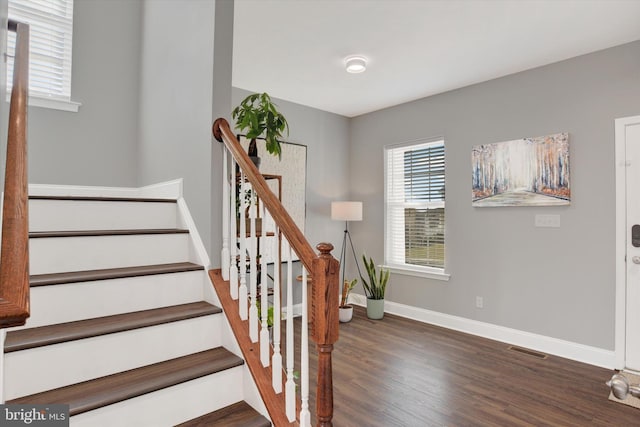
x: 346, y: 310
x: 374, y: 288
x: 257, y: 115
x: 269, y: 318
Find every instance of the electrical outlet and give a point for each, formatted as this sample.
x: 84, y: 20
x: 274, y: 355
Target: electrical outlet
x: 479, y: 302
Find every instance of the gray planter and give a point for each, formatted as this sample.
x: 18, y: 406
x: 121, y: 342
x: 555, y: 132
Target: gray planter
x: 375, y: 308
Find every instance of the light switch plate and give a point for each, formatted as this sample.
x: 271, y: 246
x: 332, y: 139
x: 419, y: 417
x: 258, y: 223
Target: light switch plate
x: 547, y: 221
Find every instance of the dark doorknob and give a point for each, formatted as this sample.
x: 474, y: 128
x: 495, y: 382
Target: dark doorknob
x: 635, y: 236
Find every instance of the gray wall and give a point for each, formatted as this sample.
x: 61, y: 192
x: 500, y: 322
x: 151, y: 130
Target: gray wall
x: 146, y: 94
x: 98, y: 144
x: 554, y: 282
x: 176, y: 101
x: 222, y: 76
x: 326, y: 136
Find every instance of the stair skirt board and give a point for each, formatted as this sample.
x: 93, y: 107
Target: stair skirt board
x: 59, y: 303
x: 52, y: 214
x: 88, y: 358
x: 169, y: 406
x: 62, y: 254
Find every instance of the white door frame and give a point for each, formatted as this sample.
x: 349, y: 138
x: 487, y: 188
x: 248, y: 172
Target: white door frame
x: 621, y: 238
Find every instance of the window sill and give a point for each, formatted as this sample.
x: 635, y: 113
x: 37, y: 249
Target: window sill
x: 436, y: 275
x: 54, y: 104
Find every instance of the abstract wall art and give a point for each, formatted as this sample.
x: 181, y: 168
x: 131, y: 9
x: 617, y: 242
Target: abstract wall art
x: 523, y: 172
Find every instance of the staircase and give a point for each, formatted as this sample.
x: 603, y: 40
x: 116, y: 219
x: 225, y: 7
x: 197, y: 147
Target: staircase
x: 125, y: 327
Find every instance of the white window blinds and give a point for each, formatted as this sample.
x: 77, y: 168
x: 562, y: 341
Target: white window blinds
x: 51, y: 28
x: 414, y: 205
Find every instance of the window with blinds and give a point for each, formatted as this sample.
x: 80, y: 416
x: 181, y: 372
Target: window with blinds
x: 51, y: 27
x: 414, y: 206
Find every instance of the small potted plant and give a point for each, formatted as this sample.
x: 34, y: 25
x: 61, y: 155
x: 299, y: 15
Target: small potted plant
x: 269, y: 318
x: 375, y: 288
x: 257, y: 115
x: 346, y: 310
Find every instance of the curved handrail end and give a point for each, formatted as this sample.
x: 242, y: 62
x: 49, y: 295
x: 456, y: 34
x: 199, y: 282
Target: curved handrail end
x: 217, y: 133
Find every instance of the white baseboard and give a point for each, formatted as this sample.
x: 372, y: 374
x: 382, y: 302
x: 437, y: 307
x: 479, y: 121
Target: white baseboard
x: 171, y: 190
x: 567, y: 349
x: 297, y: 311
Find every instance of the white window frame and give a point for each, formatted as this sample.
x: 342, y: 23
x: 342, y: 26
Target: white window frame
x: 50, y: 52
x: 390, y: 260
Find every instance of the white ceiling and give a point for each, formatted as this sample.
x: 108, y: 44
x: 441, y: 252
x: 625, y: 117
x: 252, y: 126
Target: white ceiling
x: 294, y: 49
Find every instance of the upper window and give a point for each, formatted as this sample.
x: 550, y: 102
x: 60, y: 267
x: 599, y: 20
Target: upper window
x: 51, y: 28
x: 414, y: 207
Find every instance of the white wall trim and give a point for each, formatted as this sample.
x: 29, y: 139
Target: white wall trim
x: 171, y: 190
x: 163, y: 190
x: 297, y: 310
x: 570, y: 350
x: 54, y: 104
x: 621, y: 237
x: 199, y: 251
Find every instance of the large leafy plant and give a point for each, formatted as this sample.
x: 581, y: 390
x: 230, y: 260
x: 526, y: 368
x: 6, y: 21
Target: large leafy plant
x: 376, y: 286
x: 257, y: 115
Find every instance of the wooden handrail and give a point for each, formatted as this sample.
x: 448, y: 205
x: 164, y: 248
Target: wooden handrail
x: 324, y: 269
x: 296, y: 239
x: 14, y: 258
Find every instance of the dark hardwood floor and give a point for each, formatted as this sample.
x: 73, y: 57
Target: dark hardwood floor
x: 397, y: 372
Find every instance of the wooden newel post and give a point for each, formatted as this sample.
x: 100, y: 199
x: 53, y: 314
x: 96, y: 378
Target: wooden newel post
x: 324, y: 327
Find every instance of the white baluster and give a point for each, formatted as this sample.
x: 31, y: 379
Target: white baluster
x: 253, y: 275
x: 305, y: 415
x: 290, y: 385
x: 264, y: 297
x: 276, y: 359
x: 233, y: 236
x: 224, y: 254
x: 243, y: 254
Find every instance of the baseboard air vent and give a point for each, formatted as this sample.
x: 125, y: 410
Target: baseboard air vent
x: 528, y: 352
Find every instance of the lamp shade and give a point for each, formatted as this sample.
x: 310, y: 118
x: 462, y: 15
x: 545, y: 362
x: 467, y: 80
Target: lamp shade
x: 346, y: 211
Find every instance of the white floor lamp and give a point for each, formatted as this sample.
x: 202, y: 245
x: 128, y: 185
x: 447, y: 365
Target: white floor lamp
x: 346, y: 211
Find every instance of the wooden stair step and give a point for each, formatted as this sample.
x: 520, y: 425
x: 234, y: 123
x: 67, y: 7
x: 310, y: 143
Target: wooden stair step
x: 99, y: 392
x: 92, y: 233
x: 111, y: 273
x: 237, y: 415
x: 54, y: 334
x: 104, y: 199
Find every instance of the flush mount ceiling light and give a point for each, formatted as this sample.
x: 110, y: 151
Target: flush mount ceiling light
x: 355, y: 64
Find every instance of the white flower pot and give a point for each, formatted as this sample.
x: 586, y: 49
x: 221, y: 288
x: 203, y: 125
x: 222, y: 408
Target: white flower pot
x: 345, y: 313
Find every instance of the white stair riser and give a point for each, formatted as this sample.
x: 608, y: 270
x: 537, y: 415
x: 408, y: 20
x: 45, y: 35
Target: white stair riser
x: 44, y: 368
x: 169, y: 406
x: 64, y: 215
x: 65, y: 254
x: 85, y: 300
